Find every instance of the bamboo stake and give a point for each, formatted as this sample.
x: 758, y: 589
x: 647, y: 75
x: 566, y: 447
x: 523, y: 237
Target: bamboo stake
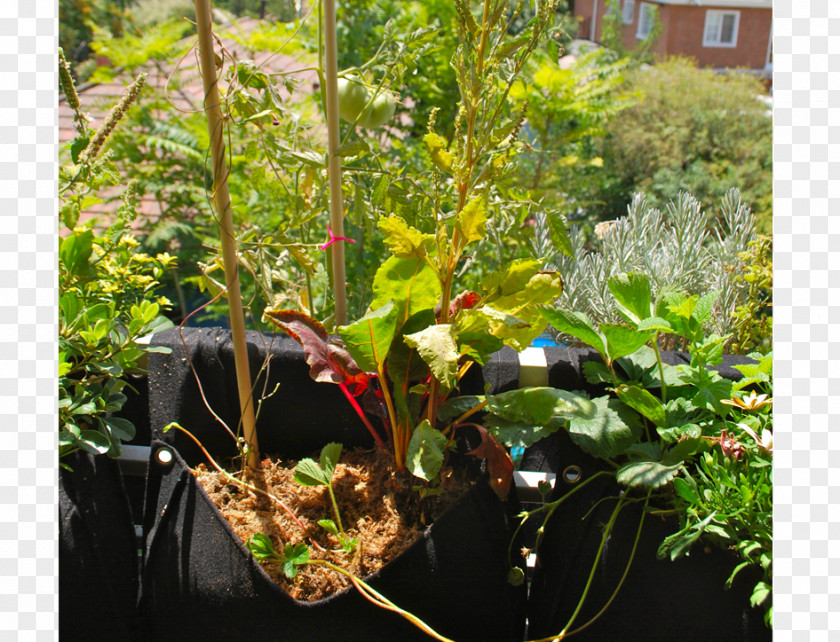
x: 221, y: 198
x: 334, y: 142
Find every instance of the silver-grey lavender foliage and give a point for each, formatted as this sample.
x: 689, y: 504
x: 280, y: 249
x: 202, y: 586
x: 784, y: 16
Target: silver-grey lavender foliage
x: 683, y: 248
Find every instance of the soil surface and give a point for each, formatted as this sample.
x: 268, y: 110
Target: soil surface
x: 377, y: 505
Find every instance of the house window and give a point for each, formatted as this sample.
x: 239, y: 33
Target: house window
x: 721, y: 28
x: 628, y: 10
x: 647, y: 18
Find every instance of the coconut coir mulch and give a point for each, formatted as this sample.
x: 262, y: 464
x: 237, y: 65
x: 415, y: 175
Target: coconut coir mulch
x: 378, y: 506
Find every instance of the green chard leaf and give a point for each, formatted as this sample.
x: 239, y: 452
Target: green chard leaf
x: 438, y: 348
x: 424, y: 456
x: 404, y: 242
x: 472, y: 220
x: 410, y: 283
x: 369, y: 339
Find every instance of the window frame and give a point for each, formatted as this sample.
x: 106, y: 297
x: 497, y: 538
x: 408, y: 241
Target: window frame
x: 646, y: 8
x: 710, y: 13
x: 631, y: 4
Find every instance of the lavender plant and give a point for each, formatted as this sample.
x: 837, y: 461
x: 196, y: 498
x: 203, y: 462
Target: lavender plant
x: 683, y: 248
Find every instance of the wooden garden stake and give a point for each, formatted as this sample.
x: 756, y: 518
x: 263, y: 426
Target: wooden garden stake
x: 221, y: 198
x: 334, y: 142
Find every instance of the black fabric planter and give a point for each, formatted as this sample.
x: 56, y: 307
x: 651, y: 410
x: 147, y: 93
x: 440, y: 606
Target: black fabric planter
x: 660, y: 600
x: 174, y: 395
x: 200, y: 582
x: 98, y: 554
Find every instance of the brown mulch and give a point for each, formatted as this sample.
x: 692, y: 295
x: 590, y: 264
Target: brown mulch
x: 377, y: 505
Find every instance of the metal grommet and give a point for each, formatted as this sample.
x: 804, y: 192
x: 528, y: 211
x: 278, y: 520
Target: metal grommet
x: 164, y: 456
x: 572, y: 474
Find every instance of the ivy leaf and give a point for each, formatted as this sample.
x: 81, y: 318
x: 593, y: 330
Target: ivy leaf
x: 499, y: 463
x: 424, y: 455
x: 404, y: 241
x: 369, y: 339
x: 472, y: 220
x: 438, y: 348
x: 633, y: 295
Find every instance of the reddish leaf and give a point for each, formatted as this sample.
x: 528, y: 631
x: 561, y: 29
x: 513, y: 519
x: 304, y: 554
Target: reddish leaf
x: 327, y: 361
x: 499, y: 464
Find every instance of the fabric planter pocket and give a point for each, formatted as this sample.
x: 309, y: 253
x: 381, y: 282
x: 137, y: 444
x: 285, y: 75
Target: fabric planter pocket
x: 98, y: 552
x: 200, y: 582
x: 659, y: 600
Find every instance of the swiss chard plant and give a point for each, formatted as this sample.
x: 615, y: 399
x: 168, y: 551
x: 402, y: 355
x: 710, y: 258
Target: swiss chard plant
x: 422, y: 333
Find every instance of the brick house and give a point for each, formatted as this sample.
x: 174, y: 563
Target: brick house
x: 717, y: 33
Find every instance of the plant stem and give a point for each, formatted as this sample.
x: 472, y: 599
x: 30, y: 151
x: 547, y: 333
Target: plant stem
x: 221, y: 199
x: 335, y: 508
x: 663, y: 387
x: 607, y: 531
x: 370, y: 594
x: 334, y: 136
x: 362, y: 415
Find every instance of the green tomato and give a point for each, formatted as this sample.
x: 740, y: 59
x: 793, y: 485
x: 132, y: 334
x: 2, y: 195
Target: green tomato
x: 352, y: 98
x: 379, y: 112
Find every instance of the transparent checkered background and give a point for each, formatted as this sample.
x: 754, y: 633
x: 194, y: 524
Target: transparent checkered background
x: 807, y: 525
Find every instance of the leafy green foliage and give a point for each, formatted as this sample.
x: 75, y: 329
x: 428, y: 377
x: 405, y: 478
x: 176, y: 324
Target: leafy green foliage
x: 691, y: 129
x: 681, y: 249
x: 262, y: 548
x: 107, y: 300
x: 308, y: 472
x: 707, y: 463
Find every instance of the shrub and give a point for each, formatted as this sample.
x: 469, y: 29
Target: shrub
x: 693, y: 130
